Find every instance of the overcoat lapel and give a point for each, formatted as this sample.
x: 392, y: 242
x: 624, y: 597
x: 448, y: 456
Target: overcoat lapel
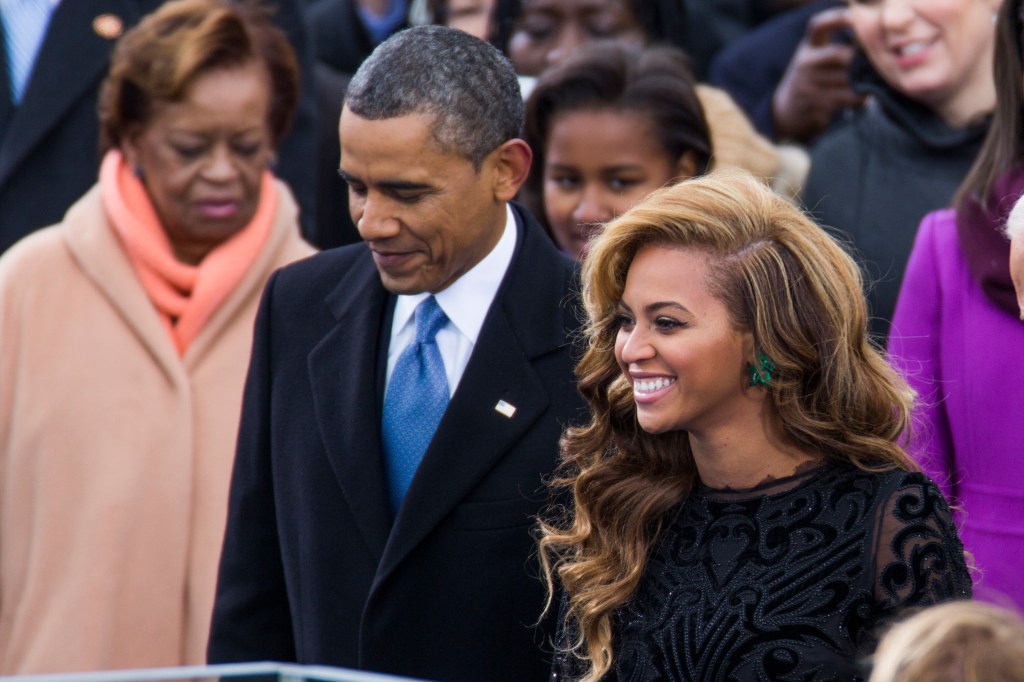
x: 472, y: 436
x: 343, y: 376
x: 71, y: 59
x: 99, y: 253
x: 525, y: 322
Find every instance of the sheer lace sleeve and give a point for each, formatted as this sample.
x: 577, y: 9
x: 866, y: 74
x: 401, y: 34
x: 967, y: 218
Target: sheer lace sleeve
x: 919, y: 559
x: 565, y: 667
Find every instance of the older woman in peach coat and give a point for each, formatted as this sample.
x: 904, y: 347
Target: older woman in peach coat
x: 124, y: 342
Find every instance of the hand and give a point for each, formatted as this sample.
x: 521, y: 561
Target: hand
x: 817, y: 82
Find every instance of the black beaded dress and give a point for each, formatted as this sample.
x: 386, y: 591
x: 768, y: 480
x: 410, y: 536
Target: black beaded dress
x: 790, y: 580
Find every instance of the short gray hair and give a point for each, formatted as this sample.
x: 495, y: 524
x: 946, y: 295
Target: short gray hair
x: 466, y: 83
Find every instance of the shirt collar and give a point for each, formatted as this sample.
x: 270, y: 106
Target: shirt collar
x: 467, y: 299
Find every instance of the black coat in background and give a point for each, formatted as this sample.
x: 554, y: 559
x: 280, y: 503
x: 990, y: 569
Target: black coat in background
x: 49, y: 147
x: 339, y: 38
x: 313, y: 570
x: 876, y: 177
x: 751, y: 68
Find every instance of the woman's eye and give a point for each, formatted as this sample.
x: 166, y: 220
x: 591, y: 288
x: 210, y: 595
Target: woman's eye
x: 189, y: 151
x: 604, y: 29
x: 538, y: 30
x: 250, y: 149
x: 622, y: 184
x: 668, y: 324
x: 624, y: 322
x: 564, y: 182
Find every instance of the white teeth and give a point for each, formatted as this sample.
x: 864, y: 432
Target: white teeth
x: 912, y: 49
x: 647, y: 386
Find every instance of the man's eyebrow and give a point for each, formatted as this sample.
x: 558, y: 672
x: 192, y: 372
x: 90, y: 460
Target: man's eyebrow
x: 405, y: 185
x: 394, y: 185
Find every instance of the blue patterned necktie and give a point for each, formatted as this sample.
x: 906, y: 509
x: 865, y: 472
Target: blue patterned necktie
x: 414, y: 402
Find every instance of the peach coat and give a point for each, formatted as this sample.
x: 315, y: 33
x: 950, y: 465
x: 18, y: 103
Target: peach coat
x: 115, y: 453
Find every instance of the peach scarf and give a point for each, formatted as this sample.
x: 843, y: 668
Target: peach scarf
x: 184, y: 295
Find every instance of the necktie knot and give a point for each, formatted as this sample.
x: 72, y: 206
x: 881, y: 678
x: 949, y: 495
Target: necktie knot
x: 429, y: 319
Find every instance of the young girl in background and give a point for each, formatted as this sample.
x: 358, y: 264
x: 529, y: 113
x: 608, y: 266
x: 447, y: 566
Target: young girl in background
x: 642, y: 107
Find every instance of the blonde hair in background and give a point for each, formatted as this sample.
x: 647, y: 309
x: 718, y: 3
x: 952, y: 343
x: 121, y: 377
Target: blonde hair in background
x: 963, y: 641
x: 781, y: 277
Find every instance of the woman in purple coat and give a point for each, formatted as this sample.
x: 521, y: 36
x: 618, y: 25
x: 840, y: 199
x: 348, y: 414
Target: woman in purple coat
x: 958, y: 338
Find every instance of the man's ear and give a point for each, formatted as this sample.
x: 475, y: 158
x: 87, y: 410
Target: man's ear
x: 511, y: 163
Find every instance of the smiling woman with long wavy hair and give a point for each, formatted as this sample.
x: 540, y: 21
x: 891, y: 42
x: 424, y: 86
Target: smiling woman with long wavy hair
x: 741, y: 505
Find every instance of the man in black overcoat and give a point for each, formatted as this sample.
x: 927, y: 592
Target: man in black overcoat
x: 335, y: 554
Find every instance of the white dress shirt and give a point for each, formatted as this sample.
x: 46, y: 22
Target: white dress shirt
x: 465, y: 302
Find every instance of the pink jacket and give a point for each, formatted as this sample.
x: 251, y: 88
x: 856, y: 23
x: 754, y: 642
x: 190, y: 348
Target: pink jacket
x: 965, y: 358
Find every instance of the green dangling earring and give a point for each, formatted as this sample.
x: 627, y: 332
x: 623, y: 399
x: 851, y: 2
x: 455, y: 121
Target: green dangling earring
x: 761, y: 374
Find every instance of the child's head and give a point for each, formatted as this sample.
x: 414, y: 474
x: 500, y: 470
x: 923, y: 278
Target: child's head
x: 608, y: 126
x: 962, y: 641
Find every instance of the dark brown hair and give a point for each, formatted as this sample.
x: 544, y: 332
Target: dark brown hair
x: 654, y: 81
x: 169, y: 49
x: 1004, y: 144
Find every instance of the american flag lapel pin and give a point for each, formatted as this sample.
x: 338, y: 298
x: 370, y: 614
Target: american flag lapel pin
x: 504, y: 408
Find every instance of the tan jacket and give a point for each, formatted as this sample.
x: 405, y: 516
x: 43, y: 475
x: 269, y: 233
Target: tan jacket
x: 737, y: 144
x: 115, y: 454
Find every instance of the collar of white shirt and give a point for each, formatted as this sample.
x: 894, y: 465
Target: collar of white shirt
x: 465, y: 302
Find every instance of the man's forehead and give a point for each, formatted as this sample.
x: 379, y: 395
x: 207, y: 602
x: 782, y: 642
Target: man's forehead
x: 401, y: 143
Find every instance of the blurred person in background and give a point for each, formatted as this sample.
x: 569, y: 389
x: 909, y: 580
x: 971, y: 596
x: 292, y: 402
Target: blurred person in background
x: 926, y: 66
x: 958, y: 338
x: 791, y: 75
x: 964, y: 641
x: 717, y: 24
x: 55, y: 56
x: 124, y: 337
x: 537, y: 34
x: 344, y: 32
x: 475, y: 17
x: 641, y: 104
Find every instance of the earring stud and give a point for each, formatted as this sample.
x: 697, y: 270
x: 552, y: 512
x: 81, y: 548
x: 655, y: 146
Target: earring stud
x: 761, y: 374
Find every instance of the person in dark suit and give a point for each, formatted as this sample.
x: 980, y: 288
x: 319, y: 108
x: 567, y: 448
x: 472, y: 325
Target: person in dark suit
x: 48, y: 151
x: 343, y: 547
x: 344, y: 32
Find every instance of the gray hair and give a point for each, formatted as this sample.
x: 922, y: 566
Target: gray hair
x: 466, y: 83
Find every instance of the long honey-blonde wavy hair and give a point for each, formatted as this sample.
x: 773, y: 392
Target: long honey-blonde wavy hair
x: 798, y: 291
